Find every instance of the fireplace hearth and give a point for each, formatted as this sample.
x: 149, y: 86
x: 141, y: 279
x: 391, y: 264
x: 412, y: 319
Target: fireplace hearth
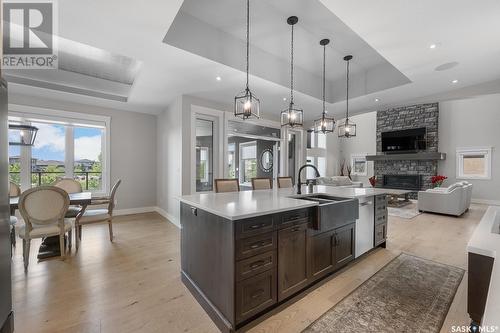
x: 403, y: 182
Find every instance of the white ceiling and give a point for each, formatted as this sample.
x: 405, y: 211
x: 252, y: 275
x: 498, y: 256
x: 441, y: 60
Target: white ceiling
x: 400, y: 31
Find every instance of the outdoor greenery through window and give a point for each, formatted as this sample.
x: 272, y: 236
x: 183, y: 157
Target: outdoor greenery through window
x: 60, y: 151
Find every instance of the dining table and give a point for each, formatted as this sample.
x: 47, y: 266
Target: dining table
x: 50, y: 245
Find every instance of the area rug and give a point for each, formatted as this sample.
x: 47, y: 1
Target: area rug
x: 410, y: 294
x: 407, y: 212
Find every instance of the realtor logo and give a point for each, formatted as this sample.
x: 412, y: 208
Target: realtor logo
x: 29, y: 36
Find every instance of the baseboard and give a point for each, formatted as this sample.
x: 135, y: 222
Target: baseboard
x: 132, y: 211
x: 486, y: 202
x: 172, y: 219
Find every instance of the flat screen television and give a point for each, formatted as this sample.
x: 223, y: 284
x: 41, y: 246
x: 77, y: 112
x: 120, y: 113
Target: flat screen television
x: 404, y: 141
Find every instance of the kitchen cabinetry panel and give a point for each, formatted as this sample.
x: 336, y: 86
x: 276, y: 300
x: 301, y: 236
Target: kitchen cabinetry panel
x: 344, y: 240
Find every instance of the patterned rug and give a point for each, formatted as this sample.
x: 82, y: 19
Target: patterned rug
x: 409, y: 294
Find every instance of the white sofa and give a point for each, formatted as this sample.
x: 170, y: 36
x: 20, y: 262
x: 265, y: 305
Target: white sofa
x: 452, y: 200
x: 338, y: 181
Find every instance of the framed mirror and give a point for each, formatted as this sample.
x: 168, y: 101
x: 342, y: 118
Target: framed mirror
x: 266, y: 160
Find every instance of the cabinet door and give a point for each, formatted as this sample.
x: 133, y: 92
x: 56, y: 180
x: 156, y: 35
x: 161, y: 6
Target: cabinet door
x: 321, y: 260
x: 292, y: 260
x: 344, y: 240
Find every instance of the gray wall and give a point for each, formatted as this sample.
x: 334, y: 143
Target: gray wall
x: 133, y: 148
x: 471, y: 122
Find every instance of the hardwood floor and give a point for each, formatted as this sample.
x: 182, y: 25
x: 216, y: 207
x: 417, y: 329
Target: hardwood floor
x: 133, y: 284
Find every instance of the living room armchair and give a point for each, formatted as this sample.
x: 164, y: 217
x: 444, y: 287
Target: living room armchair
x: 453, y: 200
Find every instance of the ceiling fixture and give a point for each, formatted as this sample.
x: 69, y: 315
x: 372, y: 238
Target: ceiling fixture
x: 347, y: 129
x: 218, y: 78
x: 377, y: 99
x: 292, y: 116
x: 25, y: 134
x: 433, y: 46
x: 324, y: 124
x: 454, y: 81
x: 246, y: 104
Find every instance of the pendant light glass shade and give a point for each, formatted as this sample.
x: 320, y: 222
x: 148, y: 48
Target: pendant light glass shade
x: 22, y: 135
x: 292, y: 116
x: 324, y: 124
x: 246, y: 104
x: 348, y: 128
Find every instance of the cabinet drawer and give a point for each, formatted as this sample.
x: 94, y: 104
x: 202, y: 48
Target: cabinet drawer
x: 380, y: 233
x: 255, y: 294
x: 248, y: 247
x: 254, y: 226
x: 381, y: 218
x: 294, y: 217
x: 254, y: 265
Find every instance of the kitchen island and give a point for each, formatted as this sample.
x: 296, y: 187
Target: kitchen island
x: 243, y: 253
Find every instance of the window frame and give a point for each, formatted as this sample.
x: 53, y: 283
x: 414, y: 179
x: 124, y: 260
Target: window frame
x: 70, y: 120
x: 479, y: 151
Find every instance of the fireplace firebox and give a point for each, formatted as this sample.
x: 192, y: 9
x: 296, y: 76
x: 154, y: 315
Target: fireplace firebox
x: 404, y: 182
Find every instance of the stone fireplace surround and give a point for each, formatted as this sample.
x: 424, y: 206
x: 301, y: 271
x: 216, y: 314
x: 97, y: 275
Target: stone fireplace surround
x: 408, y: 117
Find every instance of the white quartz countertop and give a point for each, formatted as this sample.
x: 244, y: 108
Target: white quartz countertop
x: 487, y: 243
x: 245, y: 204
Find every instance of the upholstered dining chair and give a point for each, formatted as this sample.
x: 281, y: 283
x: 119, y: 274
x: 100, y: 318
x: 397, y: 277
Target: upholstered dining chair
x: 91, y: 216
x: 14, y: 191
x: 70, y: 186
x: 285, y: 182
x: 262, y: 183
x: 226, y: 185
x: 43, y: 209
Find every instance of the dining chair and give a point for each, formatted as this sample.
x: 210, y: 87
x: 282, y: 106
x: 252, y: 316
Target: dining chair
x: 262, y: 183
x: 226, y: 185
x: 43, y: 209
x: 70, y: 186
x: 14, y: 191
x: 285, y: 182
x: 91, y: 216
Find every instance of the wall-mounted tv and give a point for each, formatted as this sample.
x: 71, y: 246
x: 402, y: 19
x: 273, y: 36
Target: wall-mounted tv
x: 404, y: 141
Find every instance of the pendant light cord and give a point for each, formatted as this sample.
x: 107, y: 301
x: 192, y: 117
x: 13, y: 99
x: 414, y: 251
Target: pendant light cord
x: 291, y: 71
x: 347, y: 94
x: 324, y: 80
x: 248, y: 39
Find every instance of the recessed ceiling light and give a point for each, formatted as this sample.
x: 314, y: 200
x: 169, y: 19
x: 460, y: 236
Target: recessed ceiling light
x: 218, y: 78
x: 432, y: 46
x: 377, y: 99
x: 284, y: 98
x: 454, y: 81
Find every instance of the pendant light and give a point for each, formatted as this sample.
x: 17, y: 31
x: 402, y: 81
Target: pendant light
x: 22, y: 135
x: 246, y: 104
x: 324, y: 124
x: 348, y: 129
x: 292, y: 116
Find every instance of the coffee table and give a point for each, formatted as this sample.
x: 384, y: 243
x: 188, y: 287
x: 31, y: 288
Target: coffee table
x: 397, y: 198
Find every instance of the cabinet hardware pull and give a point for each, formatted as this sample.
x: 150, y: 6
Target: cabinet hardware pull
x: 257, y: 293
x: 257, y: 226
x: 257, y: 264
x: 256, y: 245
x: 295, y: 217
x: 295, y: 229
x: 194, y: 211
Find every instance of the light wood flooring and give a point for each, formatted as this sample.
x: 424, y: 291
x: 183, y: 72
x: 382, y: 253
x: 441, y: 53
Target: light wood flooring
x: 133, y: 284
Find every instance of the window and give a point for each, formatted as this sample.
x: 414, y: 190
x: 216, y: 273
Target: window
x: 231, y: 160
x: 474, y: 163
x: 204, y: 154
x: 248, y: 161
x: 65, y: 146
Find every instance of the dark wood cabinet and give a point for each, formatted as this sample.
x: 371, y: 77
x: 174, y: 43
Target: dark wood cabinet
x: 344, y: 242
x: 321, y: 260
x: 255, y: 294
x: 292, y: 260
x: 380, y: 223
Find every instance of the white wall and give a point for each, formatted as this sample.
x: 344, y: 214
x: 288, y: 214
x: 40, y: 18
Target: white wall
x: 133, y: 149
x: 363, y: 143
x: 473, y: 122
x: 169, y: 153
